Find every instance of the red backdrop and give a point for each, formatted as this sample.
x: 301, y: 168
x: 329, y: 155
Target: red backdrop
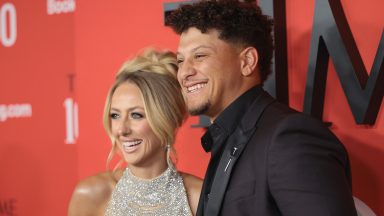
x: 59, y: 57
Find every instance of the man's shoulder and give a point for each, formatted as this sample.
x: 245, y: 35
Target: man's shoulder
x: 275, y: 111
x: 280, y: 116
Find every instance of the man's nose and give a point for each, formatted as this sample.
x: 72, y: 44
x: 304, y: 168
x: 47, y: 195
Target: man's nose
x: 186, y: 70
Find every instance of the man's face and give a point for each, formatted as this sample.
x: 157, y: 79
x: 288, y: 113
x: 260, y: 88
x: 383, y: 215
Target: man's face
x: 209, y: 72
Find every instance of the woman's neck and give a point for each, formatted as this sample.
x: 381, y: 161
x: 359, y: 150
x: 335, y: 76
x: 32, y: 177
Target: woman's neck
x: 148, y: 172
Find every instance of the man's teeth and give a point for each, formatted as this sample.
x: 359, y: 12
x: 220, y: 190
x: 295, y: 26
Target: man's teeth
x: 195, y: 87
x: 131, y: 143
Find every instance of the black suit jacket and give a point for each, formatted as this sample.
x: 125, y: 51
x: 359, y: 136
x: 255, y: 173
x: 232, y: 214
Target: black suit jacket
x: 290, y: 164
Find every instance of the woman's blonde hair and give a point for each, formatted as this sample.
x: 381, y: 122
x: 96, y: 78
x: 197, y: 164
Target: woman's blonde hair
x: 154, y: 73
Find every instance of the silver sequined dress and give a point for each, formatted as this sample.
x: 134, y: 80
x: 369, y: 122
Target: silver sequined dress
x: 164, y: 195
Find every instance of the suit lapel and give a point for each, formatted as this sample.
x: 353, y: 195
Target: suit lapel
x: 235, y: 146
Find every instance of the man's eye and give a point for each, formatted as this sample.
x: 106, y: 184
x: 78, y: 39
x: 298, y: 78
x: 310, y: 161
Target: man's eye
x: 136, y: 115
x: 114, y: 115
x: 179, y: 61
x: 199, y: 56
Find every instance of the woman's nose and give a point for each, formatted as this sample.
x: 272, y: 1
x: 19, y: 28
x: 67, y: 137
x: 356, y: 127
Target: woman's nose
x: 124, y: 128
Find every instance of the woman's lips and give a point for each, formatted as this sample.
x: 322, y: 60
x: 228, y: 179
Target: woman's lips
x: 131, y: 146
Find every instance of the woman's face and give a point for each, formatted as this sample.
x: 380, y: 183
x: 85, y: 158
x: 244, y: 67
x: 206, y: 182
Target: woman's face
x: 130, y: 127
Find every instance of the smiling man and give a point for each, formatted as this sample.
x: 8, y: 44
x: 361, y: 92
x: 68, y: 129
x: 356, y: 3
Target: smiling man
x: 209, y: 65
x: 266, y: 159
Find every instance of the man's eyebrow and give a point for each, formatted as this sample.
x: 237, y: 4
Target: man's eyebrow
x: 202, y: 46
x: 199, y: 47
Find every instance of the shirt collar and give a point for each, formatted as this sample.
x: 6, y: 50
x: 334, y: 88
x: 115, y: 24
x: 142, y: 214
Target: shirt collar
x: 232, y: 115
x: 228, y: 119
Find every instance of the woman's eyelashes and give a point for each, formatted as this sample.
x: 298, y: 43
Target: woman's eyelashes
x: 136, y: 115
x: 114, y: 115
x: 133, y: 115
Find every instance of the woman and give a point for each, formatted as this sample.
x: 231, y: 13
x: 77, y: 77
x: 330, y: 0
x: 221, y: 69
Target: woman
x: 143, y: 110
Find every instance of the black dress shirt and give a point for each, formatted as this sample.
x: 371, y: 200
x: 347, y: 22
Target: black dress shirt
x: 215, y: 138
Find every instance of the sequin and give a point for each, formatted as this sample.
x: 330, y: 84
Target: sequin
x: 164, y: 195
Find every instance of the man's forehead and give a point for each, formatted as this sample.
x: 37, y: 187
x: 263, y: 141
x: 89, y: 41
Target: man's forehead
x: 193, y: 31
x: 194, y: 39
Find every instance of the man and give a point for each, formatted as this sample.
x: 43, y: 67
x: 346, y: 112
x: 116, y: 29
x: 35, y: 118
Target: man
x: 266, y: 159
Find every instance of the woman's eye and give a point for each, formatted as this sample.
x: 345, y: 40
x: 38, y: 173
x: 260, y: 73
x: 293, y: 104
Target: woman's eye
x: 136, y: 115
x: 114, y: 115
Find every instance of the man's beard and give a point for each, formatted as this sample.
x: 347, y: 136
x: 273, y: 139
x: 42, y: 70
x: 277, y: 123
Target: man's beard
x: 202, y: 109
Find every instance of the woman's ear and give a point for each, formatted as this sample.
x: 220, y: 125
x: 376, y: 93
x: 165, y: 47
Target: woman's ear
x: 249, y: 60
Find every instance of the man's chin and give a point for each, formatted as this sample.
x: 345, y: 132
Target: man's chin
x: 200, y: 110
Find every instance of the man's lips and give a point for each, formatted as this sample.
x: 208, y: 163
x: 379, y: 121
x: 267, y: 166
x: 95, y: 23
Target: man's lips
x: 195, y: 87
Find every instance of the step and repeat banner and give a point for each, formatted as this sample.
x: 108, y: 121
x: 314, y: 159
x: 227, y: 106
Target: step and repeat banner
x: 58, y: 59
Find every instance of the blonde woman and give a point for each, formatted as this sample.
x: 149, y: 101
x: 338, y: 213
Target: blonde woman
x: 143, y: 111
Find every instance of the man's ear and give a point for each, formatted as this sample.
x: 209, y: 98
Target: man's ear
x: 249, y: 60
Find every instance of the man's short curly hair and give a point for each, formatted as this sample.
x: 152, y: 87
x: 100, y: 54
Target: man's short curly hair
x: 237, y: 22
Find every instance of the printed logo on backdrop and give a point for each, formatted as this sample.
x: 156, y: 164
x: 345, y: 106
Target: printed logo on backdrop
x: 8, y: 207
x: 8, y: 24
x: 71, y: 121
x: 60, y: 6
x: 71, y: 114
x: 15, y: 111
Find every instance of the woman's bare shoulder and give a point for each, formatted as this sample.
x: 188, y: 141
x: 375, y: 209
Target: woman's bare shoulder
x: 193, y: 185
x: 192, y: 181
x: 91, y: 195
